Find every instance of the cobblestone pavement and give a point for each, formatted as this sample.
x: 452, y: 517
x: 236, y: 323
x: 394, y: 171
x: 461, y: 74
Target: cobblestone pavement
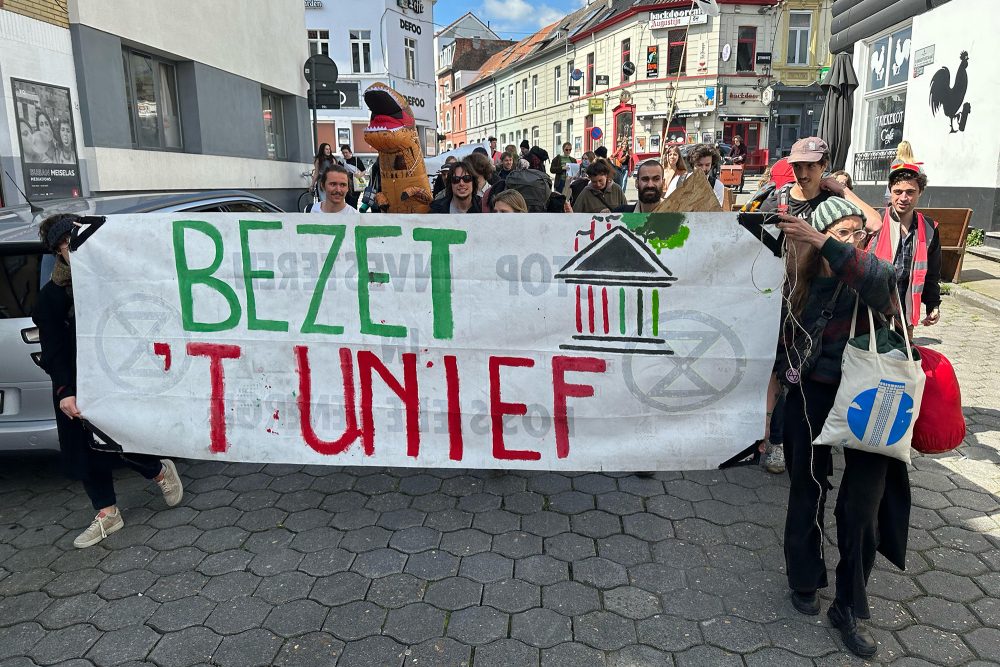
x: 293, y: 565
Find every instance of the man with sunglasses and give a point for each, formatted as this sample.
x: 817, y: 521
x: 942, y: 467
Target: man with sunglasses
x: 910, y: 241
x: 462, y: 197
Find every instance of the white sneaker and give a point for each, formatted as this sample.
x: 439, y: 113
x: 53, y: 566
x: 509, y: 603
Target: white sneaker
x: 103, y: 525
x: 774, y: 458
x: 170, y: 483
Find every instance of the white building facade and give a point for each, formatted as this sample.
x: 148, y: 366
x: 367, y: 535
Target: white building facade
x: 950, y: 124
x: 390, y: 41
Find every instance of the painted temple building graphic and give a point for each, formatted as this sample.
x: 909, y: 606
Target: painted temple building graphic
x: 618, y: 283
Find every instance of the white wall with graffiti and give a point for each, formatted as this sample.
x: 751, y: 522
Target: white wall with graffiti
x: 953, y: 95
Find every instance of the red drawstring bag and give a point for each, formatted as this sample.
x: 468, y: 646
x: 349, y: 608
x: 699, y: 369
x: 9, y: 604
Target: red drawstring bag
x: 940, y: 425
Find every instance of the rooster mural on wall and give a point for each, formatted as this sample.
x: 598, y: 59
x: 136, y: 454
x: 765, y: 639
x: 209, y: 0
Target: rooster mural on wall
x: 951, y: 98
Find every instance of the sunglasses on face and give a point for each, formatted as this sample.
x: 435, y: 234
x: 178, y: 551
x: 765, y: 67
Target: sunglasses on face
x: 464, y: 178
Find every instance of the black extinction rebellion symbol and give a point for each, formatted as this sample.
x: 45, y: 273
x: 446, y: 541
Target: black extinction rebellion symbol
x: 709, y: 361
x: 124, y: 343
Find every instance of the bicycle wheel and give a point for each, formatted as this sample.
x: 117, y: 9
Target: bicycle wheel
x: 305, y: 199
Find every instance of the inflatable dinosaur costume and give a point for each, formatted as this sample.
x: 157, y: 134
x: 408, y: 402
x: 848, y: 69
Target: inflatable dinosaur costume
x: 392, y: 132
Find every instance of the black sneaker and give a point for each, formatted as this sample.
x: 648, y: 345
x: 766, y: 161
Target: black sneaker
x: 856, y: 638
x: 805, y: 602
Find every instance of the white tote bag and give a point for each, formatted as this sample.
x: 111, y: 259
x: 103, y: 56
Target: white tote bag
x: 879, y: 397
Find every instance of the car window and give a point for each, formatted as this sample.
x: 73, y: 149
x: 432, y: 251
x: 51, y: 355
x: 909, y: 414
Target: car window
x: 246, y: 207
x: 211, y: 208
x: 20, y: 278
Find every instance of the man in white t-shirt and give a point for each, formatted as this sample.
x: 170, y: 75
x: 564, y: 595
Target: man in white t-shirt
x: 335, y: 184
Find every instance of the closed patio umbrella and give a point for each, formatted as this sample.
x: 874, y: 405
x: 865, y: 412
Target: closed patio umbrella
x: 838, y: 109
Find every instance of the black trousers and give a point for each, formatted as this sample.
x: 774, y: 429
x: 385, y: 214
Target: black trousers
x: 809, y: 468
x: 95, y: 469
x: 99, y: 482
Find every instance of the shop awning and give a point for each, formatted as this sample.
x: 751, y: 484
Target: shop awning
x: 653, y: 115
x: 697, y: 111
x: 738, y: 117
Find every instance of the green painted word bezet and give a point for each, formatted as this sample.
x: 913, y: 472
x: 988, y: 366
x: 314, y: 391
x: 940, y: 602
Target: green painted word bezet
x: 440, y: 240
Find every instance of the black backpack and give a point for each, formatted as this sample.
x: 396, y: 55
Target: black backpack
x: 535, y: 186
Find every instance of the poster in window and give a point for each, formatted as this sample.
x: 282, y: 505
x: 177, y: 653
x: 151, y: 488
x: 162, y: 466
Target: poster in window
x: 878, y: 63
x: 654, y: 142
x: 48, y: 140
x: 652, y: 62
x: 706, y: 137
x: 899, y: 66
x: 344, y: 136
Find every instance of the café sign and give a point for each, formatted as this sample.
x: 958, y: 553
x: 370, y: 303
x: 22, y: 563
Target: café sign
x: 672, y: 18
x: 415, y: 6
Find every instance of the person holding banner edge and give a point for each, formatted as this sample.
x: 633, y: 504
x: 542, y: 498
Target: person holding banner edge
x: 824, y: 257
x: 55, y: 318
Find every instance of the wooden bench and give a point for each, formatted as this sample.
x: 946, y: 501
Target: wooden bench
x: 953, y: 228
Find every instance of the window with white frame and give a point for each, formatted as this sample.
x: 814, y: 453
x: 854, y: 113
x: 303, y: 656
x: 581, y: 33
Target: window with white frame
x: 524, y: 94
x: 447, y: 121
x: 503, y: 100
x: 799, y: 28
x: 557, y: 90
x: 319, y: 42
x: 517, y: 93
x: 885, y: 89
x: 534, y: 91
x: 557, y: 138
x: 410, y: 57
x: 361, y: 51
x: 534, y: 135
x: 510, y: 100
x: 492, y: 107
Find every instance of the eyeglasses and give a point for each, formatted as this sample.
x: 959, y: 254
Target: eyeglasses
x: 465, y: 178
x: 848, y: 235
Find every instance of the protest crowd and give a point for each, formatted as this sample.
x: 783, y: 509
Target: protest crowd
x: 839, y: 253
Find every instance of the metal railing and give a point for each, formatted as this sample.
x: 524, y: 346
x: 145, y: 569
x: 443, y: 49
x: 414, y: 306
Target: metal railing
x: 873, y: 166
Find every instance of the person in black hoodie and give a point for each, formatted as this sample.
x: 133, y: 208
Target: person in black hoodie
x: 461, y: 197
x: 55, y: 317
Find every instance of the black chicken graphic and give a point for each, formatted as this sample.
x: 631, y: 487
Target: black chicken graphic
x: 948, y: 98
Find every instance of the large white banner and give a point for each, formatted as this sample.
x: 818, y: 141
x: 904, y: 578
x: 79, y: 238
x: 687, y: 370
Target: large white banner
x: 564, y: 342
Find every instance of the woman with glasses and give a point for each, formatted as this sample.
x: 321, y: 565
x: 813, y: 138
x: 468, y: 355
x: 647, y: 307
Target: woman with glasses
x: 826, y: 270
x: 461, y: 197
x: 809, y: 159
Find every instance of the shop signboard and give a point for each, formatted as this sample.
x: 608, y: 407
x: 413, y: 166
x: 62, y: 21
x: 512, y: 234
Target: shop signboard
x: 885, y: 121
x: 675, y: 18
x: 595, y: 105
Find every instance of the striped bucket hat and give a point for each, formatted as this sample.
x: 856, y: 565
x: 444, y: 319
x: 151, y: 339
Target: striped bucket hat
x: 832, y: 210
